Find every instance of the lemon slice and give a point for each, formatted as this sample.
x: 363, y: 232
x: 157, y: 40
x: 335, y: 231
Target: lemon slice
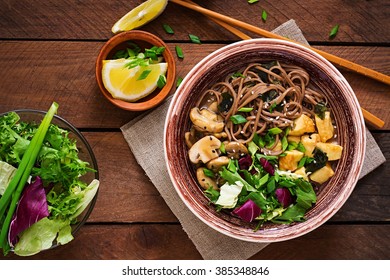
x: 125, y: 84
x: 140, y: 15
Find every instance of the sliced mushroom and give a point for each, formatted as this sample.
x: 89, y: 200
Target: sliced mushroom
x: 204, y: 150
x: 214, y: 107
x: 190, y: 137
x: 205, y: 181
x: 206, y: 120
x: 216, y: 164
x: 220, y: 135
x: 235, y: 150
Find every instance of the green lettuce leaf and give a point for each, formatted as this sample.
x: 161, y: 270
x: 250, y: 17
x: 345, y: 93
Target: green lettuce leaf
x: 7, y: 171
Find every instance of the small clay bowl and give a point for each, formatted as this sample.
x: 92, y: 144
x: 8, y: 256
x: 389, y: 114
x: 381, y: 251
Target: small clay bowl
x: 143, y: 40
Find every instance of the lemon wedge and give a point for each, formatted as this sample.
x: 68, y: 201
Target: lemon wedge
x: 140, y: 15
x: 128, y: 84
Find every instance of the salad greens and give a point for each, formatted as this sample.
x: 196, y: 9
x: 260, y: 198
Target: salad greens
x: 40, y: 185
x: 255, y: 190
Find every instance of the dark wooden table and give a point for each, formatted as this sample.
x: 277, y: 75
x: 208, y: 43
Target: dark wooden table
x: 48, y: 51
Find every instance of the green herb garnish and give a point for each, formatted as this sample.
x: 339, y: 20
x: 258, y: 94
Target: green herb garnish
x: 208, y: 172
x: 238, y: 75
x: 162, y: 81
x: 275, y: 130
x: 300, y: 147
x: 237, y: 119
x: 168, y: 29
x: 194, y: 39
x: 264, y: 15
x: 252, y: 1
x: 154, y: 52
x: 179, y: 52
x: 178, y: 82
x: 284, y: 143
x: 334, y: 31
x: 144, y: 74
x: 245, y: 109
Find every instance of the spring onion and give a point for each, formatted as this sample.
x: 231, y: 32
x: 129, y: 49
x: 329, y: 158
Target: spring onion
x: 14, y: 190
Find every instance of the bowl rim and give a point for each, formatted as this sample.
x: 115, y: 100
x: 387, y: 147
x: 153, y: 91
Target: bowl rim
x: 136, y: 35
x: 91, y: 205
x: 327, y: 213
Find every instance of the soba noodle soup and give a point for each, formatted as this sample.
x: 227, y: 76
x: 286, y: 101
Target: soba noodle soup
x: 260, y: 140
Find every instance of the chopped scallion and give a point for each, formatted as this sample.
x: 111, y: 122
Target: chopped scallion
x: 179, y: 80
x: 144, y: 74
x: 161, y: 82
x: 168, y: 29
x: 208, y: 172
x: 245, y: 109
x: 264, y: 15
x: 275, y: 130
x: 237, y: 119
x: 334, y: 31
x: 179, y: 52
x: 194, y: 39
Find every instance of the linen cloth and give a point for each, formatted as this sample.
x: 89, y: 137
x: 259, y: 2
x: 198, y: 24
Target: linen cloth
x: 149, y: 128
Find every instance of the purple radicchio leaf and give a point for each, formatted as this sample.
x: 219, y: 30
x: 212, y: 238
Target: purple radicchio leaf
x: 245, y: 162
x: 31, y: 208
x: 267, y: 166
x: 248, y: 211
x: 284, y: 196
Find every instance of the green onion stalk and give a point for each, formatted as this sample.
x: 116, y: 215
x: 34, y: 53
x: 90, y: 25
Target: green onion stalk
x: 12, y: 194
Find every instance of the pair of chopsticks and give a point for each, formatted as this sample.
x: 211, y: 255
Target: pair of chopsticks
x: 227, y: 23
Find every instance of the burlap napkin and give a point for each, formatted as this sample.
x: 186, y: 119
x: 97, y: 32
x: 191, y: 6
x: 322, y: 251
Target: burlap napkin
x: 211, y: 244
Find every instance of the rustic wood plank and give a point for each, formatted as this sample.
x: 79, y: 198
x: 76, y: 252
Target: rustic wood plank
x: 170, y: 242
x: 124, y: 187
x: 125, y: 194
x: 64, y: 72
x: 362, y: 21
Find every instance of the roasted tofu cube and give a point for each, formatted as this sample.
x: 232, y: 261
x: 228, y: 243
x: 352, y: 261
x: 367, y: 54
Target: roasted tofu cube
x: 290, y: 160
x: 302, y: 171
x: 323, y: 174
x: 333, y: 151
x: 302, y: 125
x: 325, y: 127
x: 309, y: 142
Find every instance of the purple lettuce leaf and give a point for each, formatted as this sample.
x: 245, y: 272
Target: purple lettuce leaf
x: 245, y: 162
x: 248, y: 211
x: 284, y: 196
x: 267, y: 166
x: 31, y: 208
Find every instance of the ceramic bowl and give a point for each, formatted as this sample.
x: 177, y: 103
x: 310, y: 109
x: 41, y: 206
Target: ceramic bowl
x: 85, y: 154
x: 227, y: 60
x: 144, y: 40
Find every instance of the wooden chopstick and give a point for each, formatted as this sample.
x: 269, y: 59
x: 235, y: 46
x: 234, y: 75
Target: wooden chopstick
x: 332, y: 58
x: 221, y: 20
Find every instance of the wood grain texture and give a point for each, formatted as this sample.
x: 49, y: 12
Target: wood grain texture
x: 48, y: 51
x: 64, y: 72
x: 170, y: 242
x: 360, y: 21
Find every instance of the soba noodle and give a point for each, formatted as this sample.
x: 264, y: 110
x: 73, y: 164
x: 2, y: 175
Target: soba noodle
x: 258, y: 141
x: 275, y: 102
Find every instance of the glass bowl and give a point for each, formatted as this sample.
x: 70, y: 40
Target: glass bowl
x: 85, y: 153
